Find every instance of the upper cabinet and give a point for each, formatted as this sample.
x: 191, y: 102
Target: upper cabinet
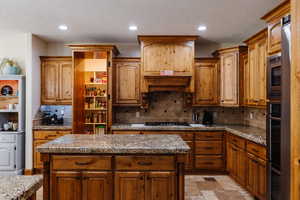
x: 256, y: 70
x: 273, y: 19
x: 56, y: 78
x: 206, y: 82
x: 167, y: 63
x: 231, y: 73
x: 126, y: 81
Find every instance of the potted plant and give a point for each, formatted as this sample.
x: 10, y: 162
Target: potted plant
x: 9, y: 67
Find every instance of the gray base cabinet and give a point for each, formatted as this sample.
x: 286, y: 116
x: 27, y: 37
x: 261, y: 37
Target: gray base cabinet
x: 12, y: 153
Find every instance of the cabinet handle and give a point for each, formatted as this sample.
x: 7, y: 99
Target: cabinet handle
x: 208, y: 148
x: 144, y: 163
x: 51, y: 136
x: 84, y: 163
x: 208, y: 163
x: 255, y: 150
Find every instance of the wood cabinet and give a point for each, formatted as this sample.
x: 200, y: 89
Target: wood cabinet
x: 209, y: 151
x: 231, y: 75
x: 174, y: 54
x: 246, y: 163
x: 57, y: 80
x: 70, y: 185
x: 126, y: 81
x: 113, y: 176
x: 256, y: 70
x: 235, y: 159
x: 93, y: 92
x: 42, y: 137
x: 206, y: 82
x: 273, y: 19
x: 145, y: 186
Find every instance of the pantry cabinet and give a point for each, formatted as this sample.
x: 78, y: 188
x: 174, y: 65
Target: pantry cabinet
x: 256, y: 70
x: 273, y: 19
x: 56, y: 79
x: 231, y: 72
x: 126, y: 81
x: 206, y: 82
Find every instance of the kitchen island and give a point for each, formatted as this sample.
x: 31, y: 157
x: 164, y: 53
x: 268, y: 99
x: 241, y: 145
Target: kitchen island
x: 119, y: 167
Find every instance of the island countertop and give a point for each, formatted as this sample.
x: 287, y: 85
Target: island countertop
x: 116, y: 144
x: 19, y: 187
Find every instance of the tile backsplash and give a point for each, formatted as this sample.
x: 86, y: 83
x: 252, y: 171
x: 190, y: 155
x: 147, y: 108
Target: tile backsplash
x: 168, y: 106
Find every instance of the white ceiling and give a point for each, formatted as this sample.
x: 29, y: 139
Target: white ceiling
x: 228, y: 21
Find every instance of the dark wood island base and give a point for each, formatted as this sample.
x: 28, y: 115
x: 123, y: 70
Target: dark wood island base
x: 156, y: 174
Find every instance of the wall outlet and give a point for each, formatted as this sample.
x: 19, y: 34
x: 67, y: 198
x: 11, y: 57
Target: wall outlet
x: 251, y: 115
x: 137, y: 114
x: 215, y: 115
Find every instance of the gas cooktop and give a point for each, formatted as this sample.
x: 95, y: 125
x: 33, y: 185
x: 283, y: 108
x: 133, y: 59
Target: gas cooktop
x: 166, y: 124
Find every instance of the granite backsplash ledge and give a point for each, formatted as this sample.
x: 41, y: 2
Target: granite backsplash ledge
x: 169, y: 106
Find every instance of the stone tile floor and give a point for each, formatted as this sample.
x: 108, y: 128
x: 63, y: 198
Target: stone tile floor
x: 207, y: 188
x: 214, y: 188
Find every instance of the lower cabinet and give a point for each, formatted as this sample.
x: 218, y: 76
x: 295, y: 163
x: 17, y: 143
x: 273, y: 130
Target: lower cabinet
x: 145, y: 186
x: 256, y: 181
x: 70, y: 185
x: 246, y: 163
x: 41, y: 137
x: 235, y: 159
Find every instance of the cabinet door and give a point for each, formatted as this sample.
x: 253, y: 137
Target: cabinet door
x: 253, y: 76
x: 50, y: 82
x: 206, y: 83
x: 127, y: 83
x: 7, y: 156
x: 66, y: 185
x: 160, y: 186
x: 246, y: 79
x: 262, y: 179
x: 234, y: 158
x: 229, y: 158
x: 97, y: 185
x: 65, y: 83
x: 129, y: 186
x: 229, y: 79
x: 274, y: 38
x: 252, y: 174
x: 261, y: 85
x: 241, y: 166
x: 37, y: 163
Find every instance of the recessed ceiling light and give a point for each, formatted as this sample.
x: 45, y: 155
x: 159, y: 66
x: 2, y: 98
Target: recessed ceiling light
x: 133, y: 28
x: 202, y: 28
x: 63, y: 27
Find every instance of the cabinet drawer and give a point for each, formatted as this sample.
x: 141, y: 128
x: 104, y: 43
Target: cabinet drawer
x: 239, y: 142
x: 187, y: 136
x: 81, y: 162
x: 257, y: 150
x: 209, y: 147
x: 209, y: 136
x: 46, y: 135
x: 126, y: 132
x: 209, y: 162
x: 145, y: 163
x: 6, y: 138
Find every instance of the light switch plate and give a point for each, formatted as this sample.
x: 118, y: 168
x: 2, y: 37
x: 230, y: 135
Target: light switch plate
x: 137, y: 114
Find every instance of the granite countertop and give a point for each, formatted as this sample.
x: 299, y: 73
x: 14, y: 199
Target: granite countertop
x: 19, y: 187
x: 253, y: 134
x: 116, y: 144
x: 38, y: 126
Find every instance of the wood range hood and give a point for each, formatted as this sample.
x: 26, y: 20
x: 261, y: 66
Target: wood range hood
x: 167, y: 63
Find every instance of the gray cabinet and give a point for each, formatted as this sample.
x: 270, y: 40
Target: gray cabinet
x: 11, y: 153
